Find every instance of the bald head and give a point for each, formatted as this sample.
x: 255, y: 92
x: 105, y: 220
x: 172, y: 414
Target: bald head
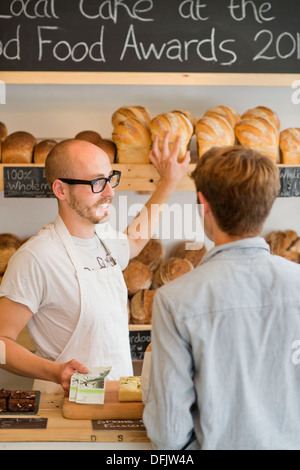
x: 74, y: 159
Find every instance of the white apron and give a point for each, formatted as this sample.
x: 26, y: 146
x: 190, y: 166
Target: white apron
x: 101, y: 337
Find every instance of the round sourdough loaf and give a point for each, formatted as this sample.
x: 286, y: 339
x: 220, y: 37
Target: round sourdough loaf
x: 193, y: 255
x: 18, y: 148
x: 137, y: 276
x: 3, y: 131
x: 141, y: 307
x: 153, y: 254
x: 88, y: 136
x: 42, y: 149
x: 9, y: 243
x: 170, y: 269
x: 109, y: 147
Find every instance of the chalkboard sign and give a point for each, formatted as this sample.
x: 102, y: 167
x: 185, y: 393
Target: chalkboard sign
x: 139, y: 340
x: 289, y: 181
x: 192, y: 36
x: 25, y: 182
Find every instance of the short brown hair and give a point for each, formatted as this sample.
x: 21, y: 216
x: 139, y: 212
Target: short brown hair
x: 240, y: 185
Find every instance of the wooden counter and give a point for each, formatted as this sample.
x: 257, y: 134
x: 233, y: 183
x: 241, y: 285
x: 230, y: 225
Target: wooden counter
x: 62, y: 430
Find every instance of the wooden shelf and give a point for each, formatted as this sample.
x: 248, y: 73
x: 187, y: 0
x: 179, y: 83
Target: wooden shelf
x: 138, y: 177
x: 148, y: 78
x: 135, y: 177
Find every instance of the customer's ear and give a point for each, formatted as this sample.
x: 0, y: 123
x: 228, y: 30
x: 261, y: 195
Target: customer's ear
x: 204, y: 203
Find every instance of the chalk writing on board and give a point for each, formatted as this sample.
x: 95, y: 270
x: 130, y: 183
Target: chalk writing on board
x: 150, y: 35
x: 26, y: 182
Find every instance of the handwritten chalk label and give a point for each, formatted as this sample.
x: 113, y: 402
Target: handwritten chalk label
x: 289, y: 181
x: 118, y: 425
x: 23, y: 423
x: 25, y: 182
x: 139, y: 341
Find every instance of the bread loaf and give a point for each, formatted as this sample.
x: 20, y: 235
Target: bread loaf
x: 3, y: 132
x: 137, y: 277
x: 130, y: 388
x: 42, y: 149
x: 141, y: 307
x: 149, y: 347
x: 289, y: 143
x: 88, y: 136
x: 188, y: 115
x: 285, y: 243
x: 18, y: 148
x: 226, y: 112
x: 9, y: 244
x: 183, y: 250
x: 170, y: 269
x: 128, y: 112
x: 133, y: 141
x: 153, y: 254
x: 265, y: 113
x: 109, y: 147
x: 213, y: 131
x: 177, y: 124
x: 259, y: 134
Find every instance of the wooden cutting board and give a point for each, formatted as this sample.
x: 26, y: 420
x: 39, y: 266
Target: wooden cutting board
x: 111, y: 409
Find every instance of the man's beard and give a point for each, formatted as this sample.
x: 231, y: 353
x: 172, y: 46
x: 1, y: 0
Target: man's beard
x: 89, y: 213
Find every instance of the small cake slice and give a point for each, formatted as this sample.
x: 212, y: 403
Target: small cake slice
x: 21, y: 404
x: 130, y: 389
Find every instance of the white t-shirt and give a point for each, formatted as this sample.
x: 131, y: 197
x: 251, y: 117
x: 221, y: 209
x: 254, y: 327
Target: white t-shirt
x: 41, y: 276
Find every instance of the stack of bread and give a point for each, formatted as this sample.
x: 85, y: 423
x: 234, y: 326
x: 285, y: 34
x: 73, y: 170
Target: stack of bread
x: 150, y: 270
x: 9, y: 244
x: 285, y: 243
x: 107, y: 145
x: 177, y: 123
x: 131, y: 134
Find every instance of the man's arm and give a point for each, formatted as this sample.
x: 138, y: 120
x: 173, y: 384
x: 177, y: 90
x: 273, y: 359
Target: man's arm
x: 167, y: 414
x: 18, y: 360
x: 171, y: 172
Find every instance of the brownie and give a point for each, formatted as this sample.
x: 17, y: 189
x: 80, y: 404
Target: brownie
x: 3, y: 405
x: 4, y: 393
x: 23, y: 394
x: 21, y: 404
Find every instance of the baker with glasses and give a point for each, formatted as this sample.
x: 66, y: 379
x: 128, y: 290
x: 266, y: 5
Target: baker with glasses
x: 66, y: 284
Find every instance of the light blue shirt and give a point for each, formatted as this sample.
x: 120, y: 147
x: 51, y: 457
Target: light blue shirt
x: 224, y: 364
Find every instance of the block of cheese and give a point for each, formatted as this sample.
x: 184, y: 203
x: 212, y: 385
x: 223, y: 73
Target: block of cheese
x: 130, y: 389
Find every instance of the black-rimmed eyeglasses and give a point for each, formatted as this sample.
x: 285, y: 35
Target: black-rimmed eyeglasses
x: 98, y: 184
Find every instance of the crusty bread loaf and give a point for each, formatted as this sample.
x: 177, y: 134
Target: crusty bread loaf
x: 3, y: 131
x: 133, y: 141
x: 259, y: 134
x: 177, y: 124
x: 42, y: 149
x: 187, y: 251
x: 285, y: 243
x: 9, y: 244
x: 137, y: 277
x: 109, y: 147
x: 88, y: 136
x: 213, y: 131
x: 188, y: 115
x: 289, y: 143
x: 141, y: 307
x: 170, y: 269
x: 265, y: 113
x: 18, y: 148
x: 153, y: 254
x: 128, y: 112
x: 228, y: 113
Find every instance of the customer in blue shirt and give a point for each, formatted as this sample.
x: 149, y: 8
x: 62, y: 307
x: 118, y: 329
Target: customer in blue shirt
x: 223, y: 374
